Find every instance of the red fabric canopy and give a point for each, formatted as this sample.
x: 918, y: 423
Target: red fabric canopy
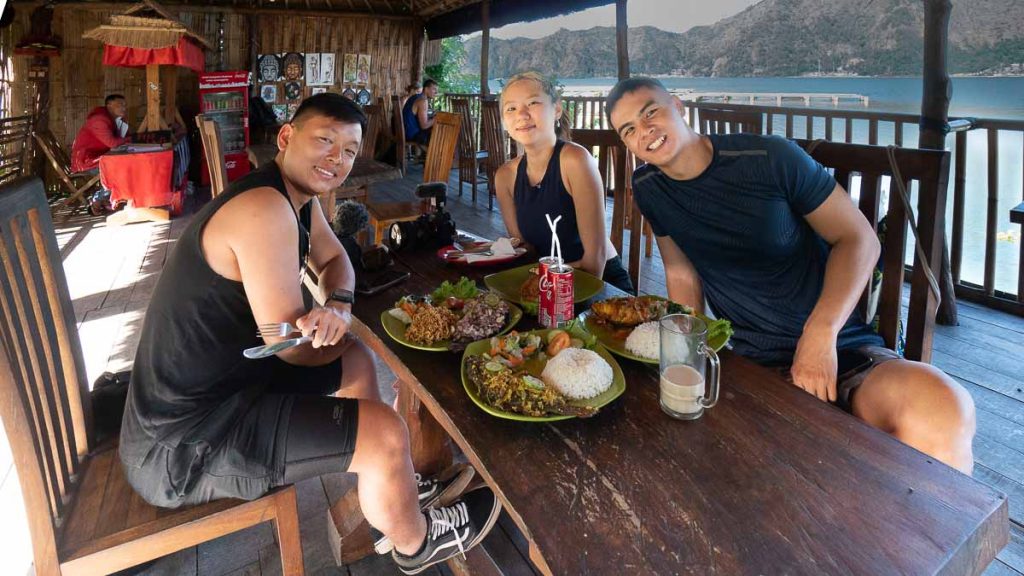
x: 186, y: 53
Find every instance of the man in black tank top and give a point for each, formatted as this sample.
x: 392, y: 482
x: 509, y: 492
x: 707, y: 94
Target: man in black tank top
x: 202, y: 422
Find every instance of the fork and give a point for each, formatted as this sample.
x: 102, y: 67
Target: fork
x: 275, y: 329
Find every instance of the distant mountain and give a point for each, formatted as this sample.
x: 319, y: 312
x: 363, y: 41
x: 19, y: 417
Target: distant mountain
x: 780, y: 38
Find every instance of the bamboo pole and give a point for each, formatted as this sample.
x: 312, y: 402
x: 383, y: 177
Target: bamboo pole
x: 485, y: 43
x: 621, y: 38
x: 935, y: 96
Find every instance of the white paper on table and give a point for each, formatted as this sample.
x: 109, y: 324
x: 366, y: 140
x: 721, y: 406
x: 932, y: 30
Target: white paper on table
x: 500, y: 249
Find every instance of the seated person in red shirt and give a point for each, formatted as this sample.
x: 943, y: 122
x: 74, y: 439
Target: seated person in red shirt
x: 104, y: 129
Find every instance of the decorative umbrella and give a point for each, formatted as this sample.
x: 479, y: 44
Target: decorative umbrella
x: 147, y: 35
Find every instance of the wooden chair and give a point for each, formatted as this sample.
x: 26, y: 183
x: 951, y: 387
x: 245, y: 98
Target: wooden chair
x: 76, y: 183
x: 214, y: 151
x: 495, y: 142
x: 930, y: 168
x: 404, y: 149
x: 436, y: 168
x: 470, y: 158
x: 83, y: 516
x: 615, y: 166
x: 729, y: 121
x: 15, y: 149
x: 398, y: 133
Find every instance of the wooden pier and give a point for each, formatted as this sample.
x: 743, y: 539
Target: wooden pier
x: 777, y: 97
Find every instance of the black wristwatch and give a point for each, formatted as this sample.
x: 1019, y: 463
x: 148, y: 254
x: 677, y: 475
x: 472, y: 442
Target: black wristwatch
x: 343, y: 296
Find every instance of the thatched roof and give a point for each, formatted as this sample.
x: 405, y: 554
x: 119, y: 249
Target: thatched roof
x: 442, y: 18
x: 466, y: 19
x: 145, y: 25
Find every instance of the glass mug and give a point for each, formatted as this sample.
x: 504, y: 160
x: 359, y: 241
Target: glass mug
x: 683, y: 363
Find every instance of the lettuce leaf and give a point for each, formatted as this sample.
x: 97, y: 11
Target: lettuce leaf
x: 464, y: 289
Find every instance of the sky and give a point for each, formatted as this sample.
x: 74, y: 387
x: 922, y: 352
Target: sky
x: 670, y: 15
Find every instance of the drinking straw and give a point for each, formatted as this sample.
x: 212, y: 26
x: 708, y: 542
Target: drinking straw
x: 556, y: 245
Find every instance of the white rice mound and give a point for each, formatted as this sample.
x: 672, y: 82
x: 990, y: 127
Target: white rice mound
x: 644, y: 341
x: 578, y: 373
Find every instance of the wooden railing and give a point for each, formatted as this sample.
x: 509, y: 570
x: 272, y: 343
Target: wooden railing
x: 983, y: 150
x: 979, y: 145
x: 15, y: 147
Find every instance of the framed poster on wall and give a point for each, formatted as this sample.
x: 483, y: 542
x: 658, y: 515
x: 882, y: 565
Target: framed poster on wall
x: 351, y: 61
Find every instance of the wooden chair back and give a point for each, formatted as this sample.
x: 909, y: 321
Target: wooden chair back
x: 54, y: 152
x: 214, y: 151
x: 15, y: 149
x: 615, y: 166
x: 77, y: 184
x: 930, y: 169
x: 83, y: 517
x: 467, y: 139
x: 43, y: 393
x: 726, y: 121
x: 374, y: 121
x: 398, y: 131
x: 441, y: 150
x: 495, y: 140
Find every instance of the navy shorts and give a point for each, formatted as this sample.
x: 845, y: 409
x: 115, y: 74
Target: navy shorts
x: 292, y: 432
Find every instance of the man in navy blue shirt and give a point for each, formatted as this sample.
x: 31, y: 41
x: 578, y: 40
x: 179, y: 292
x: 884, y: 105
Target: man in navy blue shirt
x: 767, y: 236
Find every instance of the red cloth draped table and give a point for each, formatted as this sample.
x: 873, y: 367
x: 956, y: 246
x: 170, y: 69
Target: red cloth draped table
x: 145, y: 179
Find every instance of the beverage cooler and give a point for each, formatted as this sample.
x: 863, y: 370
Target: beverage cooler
x: 224, y: 96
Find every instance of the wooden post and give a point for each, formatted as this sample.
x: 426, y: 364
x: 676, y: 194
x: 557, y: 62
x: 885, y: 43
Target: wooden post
x: 936, y: 93
x: 152, y: 121
x: 485, y: 43
x: 39, y: 72
x: 253, y: 54
x: 621, y: 39
x: 418, y: 47
x: 170, y: 86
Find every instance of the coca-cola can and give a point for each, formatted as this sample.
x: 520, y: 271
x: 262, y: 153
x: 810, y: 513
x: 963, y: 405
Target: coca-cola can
x: 547, y: 262
x: 543, y: 265
x: 556, y: 296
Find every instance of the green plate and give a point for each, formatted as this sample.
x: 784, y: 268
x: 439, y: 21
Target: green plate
x: 508, y: 282
x: 535, y: 368
x: 396, y: 329
x: 615, y: 339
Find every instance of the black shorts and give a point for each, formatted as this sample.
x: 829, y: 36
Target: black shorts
x: 292, y: 432
x: 423, y: 136
x: 847, y: 383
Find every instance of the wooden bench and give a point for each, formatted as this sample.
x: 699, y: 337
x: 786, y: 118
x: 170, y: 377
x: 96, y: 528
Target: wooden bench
x: 83, y: 516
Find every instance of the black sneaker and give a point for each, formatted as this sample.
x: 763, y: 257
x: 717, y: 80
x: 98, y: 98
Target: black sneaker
x: 453, y: 530
x: 442, y: 489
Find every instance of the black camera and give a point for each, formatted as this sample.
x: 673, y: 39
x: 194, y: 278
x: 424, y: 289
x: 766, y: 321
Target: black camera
x: 434, y: 228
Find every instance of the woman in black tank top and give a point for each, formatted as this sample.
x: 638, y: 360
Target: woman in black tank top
x: 553, y: 177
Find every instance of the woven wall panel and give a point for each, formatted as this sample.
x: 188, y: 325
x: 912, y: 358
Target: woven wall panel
x: 79, y: 81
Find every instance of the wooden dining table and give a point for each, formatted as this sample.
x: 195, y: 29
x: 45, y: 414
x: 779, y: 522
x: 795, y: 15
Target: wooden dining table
x: 769, y: 481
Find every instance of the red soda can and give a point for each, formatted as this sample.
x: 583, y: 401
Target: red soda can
x: 556, y: 296
x: 543, y: 265
x: 547, y: 262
